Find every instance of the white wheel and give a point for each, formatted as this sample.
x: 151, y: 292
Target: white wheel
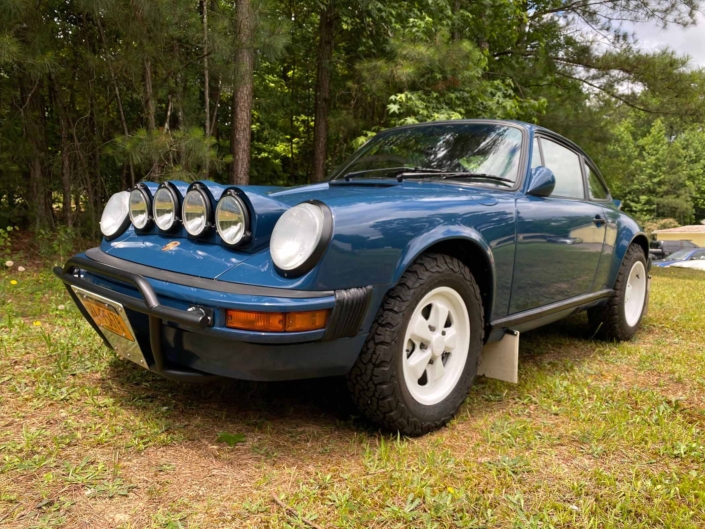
x: 635, y: 294
x: 436, y: 347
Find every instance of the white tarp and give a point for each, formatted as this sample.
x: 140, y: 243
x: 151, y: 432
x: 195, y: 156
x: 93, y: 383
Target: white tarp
x: 695, y: 265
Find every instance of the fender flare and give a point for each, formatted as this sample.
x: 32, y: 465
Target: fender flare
x: 443, y: 234
x: 641, y: 235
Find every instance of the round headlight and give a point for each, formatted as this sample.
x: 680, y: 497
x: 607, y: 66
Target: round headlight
x: 231, y: 219
x: 194, y: 212
x: 164, y: 208
x: 115, y: 218
x: 300, y: 237
x: 139, y: 208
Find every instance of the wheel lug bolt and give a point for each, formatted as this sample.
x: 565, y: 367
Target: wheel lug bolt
x: 431, y: 328
x: 423, y: 346
x: 443, y: 333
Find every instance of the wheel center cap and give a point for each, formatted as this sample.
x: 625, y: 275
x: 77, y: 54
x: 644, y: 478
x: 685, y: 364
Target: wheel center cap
x: 438, y: 344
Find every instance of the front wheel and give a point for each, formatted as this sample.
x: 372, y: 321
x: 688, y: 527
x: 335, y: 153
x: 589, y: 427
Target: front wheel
x: 422, y: 352
x: 620, y: 317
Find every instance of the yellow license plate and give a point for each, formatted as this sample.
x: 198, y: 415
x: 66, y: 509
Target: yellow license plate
x: 107, y: 317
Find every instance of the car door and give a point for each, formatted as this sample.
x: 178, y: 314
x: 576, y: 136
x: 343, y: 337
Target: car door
x: 597, y: 192
x: 560, y: 237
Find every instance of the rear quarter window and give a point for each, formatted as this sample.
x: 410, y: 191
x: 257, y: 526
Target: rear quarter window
x: 596, y: 189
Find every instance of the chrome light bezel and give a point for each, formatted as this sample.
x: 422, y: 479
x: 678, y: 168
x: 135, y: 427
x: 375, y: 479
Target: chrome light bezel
x: 147, y: 197
x: 208, y: 224
x: 176, y: 201
x: 232, y: 194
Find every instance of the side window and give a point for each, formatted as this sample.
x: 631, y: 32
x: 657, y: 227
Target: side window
x: 596, y: 189
x: 698, y: 256
x: 565, y: 165
x: 535, y: 154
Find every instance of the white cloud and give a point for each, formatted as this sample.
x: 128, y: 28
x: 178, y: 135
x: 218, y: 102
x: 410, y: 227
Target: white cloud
x: 684, y: 41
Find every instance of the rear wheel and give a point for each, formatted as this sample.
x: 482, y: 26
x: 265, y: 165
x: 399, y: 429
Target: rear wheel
x: 422, y: 352
x: 620, y: 317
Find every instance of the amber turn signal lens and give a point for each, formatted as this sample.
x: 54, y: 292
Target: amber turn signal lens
x: 306, y: 321
x: 255, y: 321
x: 276, y: 321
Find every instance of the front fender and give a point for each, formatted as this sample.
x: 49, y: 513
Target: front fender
x: 425, y: 241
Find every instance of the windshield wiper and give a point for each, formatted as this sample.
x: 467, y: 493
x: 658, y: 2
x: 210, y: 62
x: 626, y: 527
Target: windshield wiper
x: 453, y: 175
x: 395, y: 170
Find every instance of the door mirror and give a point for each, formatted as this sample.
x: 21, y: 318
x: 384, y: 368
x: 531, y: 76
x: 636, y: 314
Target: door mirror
x: 543, y: 182
x: 618, y: 203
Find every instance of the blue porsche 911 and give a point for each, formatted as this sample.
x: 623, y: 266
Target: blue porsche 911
x: 411, y: 270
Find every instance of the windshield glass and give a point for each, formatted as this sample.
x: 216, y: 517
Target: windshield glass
x: 473, y: 148
x: 679, y: 255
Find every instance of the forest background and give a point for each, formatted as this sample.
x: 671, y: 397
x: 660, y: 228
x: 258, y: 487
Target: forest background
x: 96, y: 95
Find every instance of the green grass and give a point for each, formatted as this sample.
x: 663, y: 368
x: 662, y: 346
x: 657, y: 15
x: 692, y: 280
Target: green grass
x: 595, y: 435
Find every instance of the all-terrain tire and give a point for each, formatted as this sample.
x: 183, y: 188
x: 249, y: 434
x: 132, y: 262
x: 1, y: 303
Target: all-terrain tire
x: 376, y: 381
x: 608, y: 321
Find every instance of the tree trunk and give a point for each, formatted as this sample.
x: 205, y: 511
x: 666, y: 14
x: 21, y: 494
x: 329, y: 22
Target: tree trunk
x: 150, y: 106
x: 151, y: 110
x: 325, y: 56
x: 455, y: 22
x: 97, y: 142
x: 206, y: 81
x: 65, y: 172
x: 123, y: 121
x: 242, y: 96
x: 39, y: 199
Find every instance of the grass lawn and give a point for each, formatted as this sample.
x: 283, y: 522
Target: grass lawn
x: 595, y: 435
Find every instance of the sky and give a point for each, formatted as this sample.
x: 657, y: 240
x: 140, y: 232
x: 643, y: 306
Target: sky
x: 690, y: 41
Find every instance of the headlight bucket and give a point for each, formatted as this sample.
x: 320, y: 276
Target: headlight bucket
x: 231, y: 231
x: 196, y: 211
x: 141, y: 207
x: 116, y: 215
x: 300, y: 238
x: 166, y: 207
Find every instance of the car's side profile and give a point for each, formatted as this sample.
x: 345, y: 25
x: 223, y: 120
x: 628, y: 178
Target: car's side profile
x: 682, y: 256
x: 662, y: 250
x: 431, y: 242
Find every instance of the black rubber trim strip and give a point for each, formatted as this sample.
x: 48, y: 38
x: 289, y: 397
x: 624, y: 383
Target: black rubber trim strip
x: 99, y: 256
x: 349, y: 313
x: 539, y: 312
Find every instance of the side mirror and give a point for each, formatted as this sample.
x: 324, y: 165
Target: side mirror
x: 543, y: 182
x: 618, y: 203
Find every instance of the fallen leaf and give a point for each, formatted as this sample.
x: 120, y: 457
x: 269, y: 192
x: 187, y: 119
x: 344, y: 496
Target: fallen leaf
x: 230, y: 439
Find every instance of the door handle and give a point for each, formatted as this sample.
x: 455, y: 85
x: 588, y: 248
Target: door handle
x: 599, y: 219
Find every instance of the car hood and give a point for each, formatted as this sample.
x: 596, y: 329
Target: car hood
x: 362, y: 191
x: 352, y: 203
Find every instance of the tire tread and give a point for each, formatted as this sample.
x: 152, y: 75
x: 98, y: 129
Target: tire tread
x: 372, y: 380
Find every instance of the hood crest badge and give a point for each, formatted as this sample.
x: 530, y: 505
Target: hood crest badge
x: 170, y: 246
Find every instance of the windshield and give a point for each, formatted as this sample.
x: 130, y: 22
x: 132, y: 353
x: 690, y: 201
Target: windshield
x: 679, y: 255
x: 472, y: 148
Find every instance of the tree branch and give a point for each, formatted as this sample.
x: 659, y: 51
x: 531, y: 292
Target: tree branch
x: 617, y: 97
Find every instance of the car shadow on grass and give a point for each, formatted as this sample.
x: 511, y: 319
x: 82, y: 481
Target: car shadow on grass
x: 234, y: 406
x: 199, y: 410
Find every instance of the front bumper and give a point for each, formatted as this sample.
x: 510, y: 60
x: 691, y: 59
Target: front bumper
x: 180, y: 325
